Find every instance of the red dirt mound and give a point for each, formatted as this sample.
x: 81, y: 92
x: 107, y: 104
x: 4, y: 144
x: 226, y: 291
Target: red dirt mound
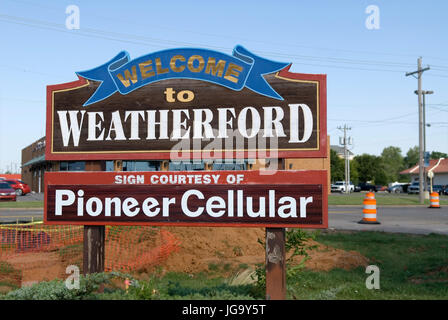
x: 201, y: 248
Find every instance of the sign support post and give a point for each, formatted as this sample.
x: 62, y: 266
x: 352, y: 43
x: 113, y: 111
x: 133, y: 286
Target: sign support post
x: 94, y: 238
x: 275, y: 264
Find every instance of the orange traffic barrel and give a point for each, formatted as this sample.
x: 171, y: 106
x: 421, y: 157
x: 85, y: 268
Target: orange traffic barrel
x: 434, y: 200
x: 370, y: 195
x: 369, y: 210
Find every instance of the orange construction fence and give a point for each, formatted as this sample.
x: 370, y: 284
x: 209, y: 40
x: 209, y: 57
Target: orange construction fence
x: 127, y: 248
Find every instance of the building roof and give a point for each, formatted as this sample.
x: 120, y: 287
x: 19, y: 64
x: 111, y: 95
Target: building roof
x: 5, y: 176
x: 36, y: 160
x: 435, y: 165
x: 340, y: 150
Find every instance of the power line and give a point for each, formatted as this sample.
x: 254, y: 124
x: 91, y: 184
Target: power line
x: 144, y: 40
x: 376, y: 121
x: 289, y: 44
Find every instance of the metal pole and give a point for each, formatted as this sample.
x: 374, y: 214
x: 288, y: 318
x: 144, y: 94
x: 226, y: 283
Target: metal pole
x: 345, y: 158
x: 347, y: 164
x: 424, y: 140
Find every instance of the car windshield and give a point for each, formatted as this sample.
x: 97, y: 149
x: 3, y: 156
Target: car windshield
x: 339, y: 183
x: 4, y: 186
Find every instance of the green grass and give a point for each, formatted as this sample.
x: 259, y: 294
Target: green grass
x: 24, y: 204
x: 10, y: 278
x: 411, y: 267
x: 381, y: 199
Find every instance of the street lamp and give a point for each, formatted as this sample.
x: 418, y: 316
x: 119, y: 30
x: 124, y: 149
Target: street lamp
x: 424, y: 93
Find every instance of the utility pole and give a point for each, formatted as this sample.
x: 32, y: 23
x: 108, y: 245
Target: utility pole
x: 424, y: 93
x: 345, y: 142
x: 421, y: 177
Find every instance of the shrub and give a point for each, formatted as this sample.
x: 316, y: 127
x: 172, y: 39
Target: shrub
x: 296, y: 242
x: 57, y: 290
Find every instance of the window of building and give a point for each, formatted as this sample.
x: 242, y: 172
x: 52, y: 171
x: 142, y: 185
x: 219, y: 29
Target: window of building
x: 230, y: 165
x: 110, y: 165
x: 72, y: 166
x: 186, y: 166
x: 141, y: 165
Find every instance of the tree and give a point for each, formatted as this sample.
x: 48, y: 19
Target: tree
x: 370, y: 168
x: 393, y: 163
x: 354, y: 174
x: 337, y: 166
x: 437, y: 155
x: 412, y: 157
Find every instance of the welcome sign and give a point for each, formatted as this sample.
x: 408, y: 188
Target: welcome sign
x: 187, y: 103
x: 234, y: 72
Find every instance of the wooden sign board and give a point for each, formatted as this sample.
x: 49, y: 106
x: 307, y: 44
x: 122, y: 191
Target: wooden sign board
x: 199, y: 115
x: 208, y: 198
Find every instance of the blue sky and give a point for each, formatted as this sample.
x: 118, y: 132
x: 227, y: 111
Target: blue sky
x: 367, y: 86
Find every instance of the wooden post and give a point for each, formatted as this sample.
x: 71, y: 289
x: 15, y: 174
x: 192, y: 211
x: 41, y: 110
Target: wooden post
x: 94, y: 238
x: 93, y: 258
x: 275, y: 251
x: 275, y: 264
x: 276, y: 258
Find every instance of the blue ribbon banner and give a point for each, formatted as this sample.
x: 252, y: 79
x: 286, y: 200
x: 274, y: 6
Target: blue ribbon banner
x: 236, y: 71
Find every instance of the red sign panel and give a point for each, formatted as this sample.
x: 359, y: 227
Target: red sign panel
x: 208, y: 198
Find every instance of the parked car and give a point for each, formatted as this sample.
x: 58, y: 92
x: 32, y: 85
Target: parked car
x: 20, y: 187
x: 368, y: 187
x: 438, y: 188
x: 357, y: 188
x: 339, y: 186
x: 6, y: 192
x: 414, y: 188
x: 398, y: 188
x: 445, y: 190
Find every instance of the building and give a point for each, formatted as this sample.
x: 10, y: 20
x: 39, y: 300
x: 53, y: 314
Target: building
x: 438, y: 166
x: 340, y: 151
x: 6, y: 176
x: 34, y: 165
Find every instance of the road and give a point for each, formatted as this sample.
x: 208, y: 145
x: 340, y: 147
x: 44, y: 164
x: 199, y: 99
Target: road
x: 406, y: 219
x: 409, y: 219
x: 23, y: 215
x: 20, y: 215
